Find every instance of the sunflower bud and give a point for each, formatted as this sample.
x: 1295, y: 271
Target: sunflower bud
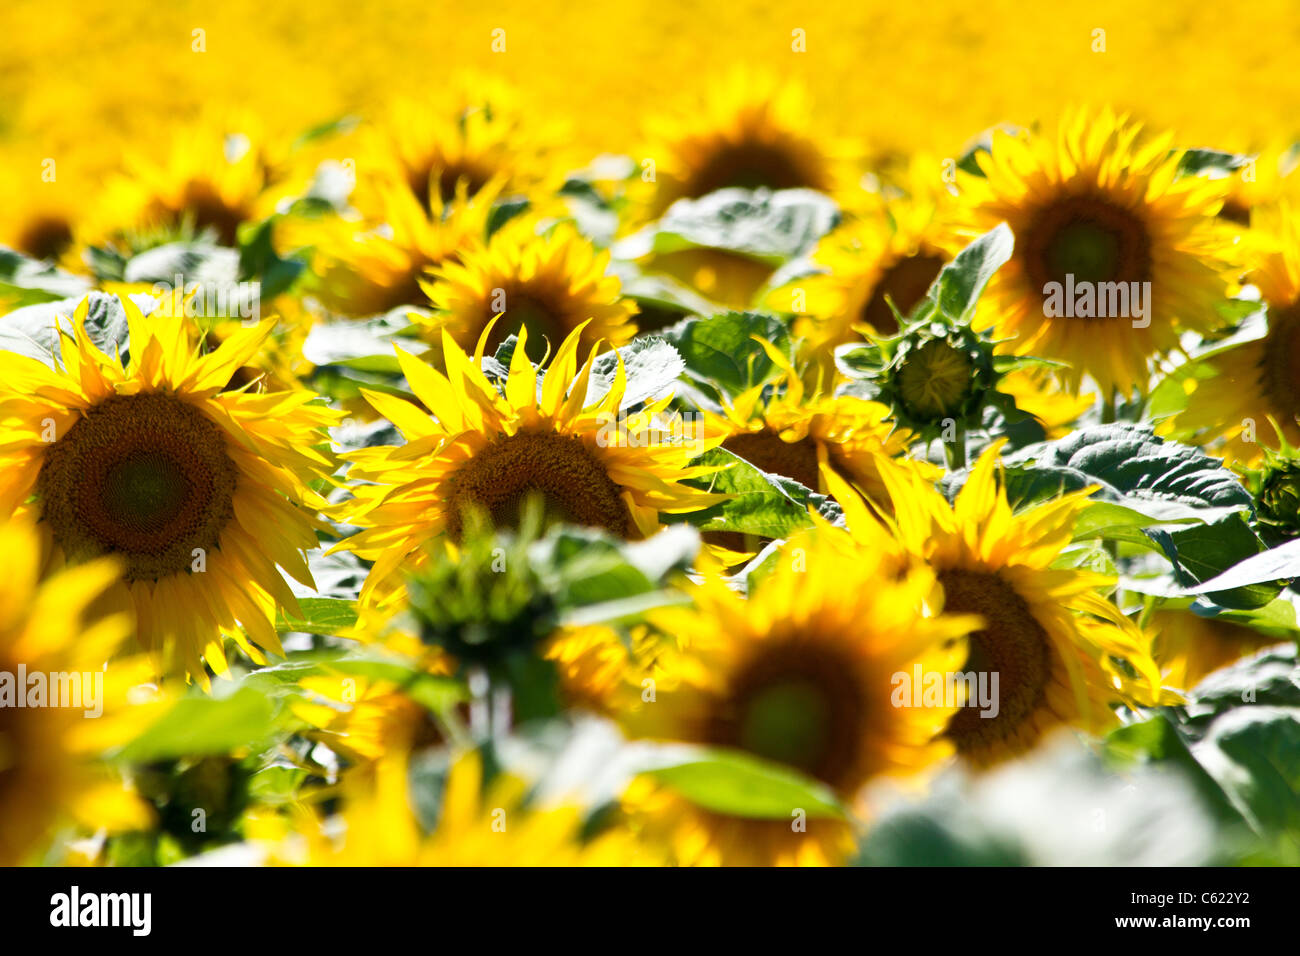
x: 1278, y: 500
x: 940, y: 376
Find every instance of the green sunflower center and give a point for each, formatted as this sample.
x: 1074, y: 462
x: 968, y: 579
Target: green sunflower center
x: 1012, y: 645
x: 147, y: 477
x: 794, y: 702
x: 572, y: 483
x: 906, y: 283
x: 1089, y: 238
x: 935, y: 379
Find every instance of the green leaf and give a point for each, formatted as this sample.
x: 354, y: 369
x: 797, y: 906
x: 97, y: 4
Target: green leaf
x: 957, y: 289
x: 1203, y: 553
x: 1133, y: 467
x: 735, y: 783
x: 258, y: 260
x: 320, y: 616
x: 1276, y: 564
x: 33, y: 330
x: 195, y: 726
x: 768, y: 226
x: 760, y: 504
x: 721, y: 352
x: 650, y: 363
x: 1254, y: 754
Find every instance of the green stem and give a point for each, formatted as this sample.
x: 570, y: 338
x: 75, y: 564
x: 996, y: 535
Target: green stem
x: 955, y: 451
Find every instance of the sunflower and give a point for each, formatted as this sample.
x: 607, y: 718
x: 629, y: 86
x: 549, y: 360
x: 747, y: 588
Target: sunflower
x: 1252, y: 399
x: 40, y: 212
x: 749, y: 131
x: 490, y: 450
x: 891, y: 250
x: 1049, y: 635
x: 478, y: 134
x: 596, y: 664
x: 1096, y: 206
x: 784, y: 429
x: 552, y: 284
x: 368, y: 269
x: 478, y: 825
x: 1189, y: 647
x: 803, y: 675
x: 65, y: 624
x: 201, y: 492
x: 364, y: 717
x: 211, y: 178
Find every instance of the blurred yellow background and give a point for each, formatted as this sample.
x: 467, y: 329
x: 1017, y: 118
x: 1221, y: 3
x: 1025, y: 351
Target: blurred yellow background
x: 75, y: 75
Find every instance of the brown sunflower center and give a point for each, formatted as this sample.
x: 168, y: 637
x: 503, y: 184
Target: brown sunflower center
x: 1012, y: 645
x: 1089, y: 238
x: 144, y: 476
x: 423, y: 180
x: 527, y: 309
x: 769, y: 452
x: 751, y: 165
x: 794, y: 702
x: 1279, y: 368
x: 572, y: 483
x: 905, y: 282
x: 208, y: 209
x: 45, y: 237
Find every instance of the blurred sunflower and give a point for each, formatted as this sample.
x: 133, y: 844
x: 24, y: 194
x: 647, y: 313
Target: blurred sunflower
x: 1252, y: 398
x: 210, y: 178
x: 201, y: 492
x: 1189, y: 647
x: 370, y: 269
x: 552, y: 284
x: 478, y: 825
x: 477, y: 134
x: 40, y: 213
x: 784, y: 429
x: 892, y: 250
x: 596, y: 664
x: 1048, y: 634
x: 1259, y: 184
x: 1096, y: 205
x: 802, y: 674
x: 749, y: 130
x: 363, y: 717
x: 476, y: 447
x: 66, y: 624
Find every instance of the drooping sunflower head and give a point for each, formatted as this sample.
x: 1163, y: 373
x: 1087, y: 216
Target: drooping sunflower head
x: 552, y: 285
x: 369, y: 268
x: 1115, y: 253
x: 748, y: 131
x: 200, y: 492
x: 801, y: 675
x: 1049, y: 636
x: 474, y: 447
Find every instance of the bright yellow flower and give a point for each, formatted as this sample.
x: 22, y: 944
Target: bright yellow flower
x: 201, y: 492
x: 1094, y: 205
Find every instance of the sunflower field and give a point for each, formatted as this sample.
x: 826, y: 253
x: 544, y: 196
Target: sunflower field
x: 638, y: 435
